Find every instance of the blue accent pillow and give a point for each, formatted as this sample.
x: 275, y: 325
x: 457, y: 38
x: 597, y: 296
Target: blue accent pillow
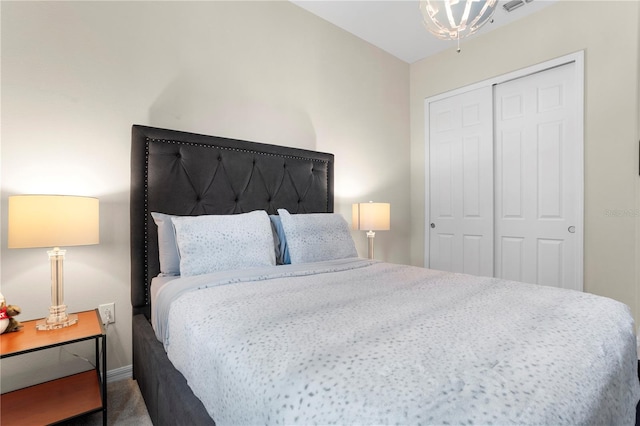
x: 280, y: 241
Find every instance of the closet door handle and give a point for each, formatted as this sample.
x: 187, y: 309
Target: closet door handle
x: 433, y: 225
x: 572, y: 229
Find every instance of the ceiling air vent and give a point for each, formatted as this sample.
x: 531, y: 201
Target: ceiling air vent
x: 512, y: 5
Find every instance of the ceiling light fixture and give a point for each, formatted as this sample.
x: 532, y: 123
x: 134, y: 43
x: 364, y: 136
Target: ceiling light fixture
x: 456, y: 19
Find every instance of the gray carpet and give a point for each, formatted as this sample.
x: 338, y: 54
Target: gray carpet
x: 125, y: 406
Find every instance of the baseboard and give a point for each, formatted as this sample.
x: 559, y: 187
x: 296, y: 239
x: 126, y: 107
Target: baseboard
x: 121, y: 373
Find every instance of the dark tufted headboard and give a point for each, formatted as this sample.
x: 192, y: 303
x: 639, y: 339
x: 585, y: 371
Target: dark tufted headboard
x: 189, y: 174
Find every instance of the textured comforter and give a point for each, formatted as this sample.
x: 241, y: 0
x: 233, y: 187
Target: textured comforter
x: 365, y: 342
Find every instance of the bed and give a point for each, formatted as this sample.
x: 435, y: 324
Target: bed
x: 330, y: 337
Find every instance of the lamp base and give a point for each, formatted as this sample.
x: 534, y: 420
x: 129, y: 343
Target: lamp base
x: 57, y: 318
x: 370, y: 236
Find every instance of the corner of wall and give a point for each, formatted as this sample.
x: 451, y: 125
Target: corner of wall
x: 637, y: 257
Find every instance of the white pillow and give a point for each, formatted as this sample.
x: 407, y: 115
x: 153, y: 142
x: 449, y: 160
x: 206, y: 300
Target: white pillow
x: 317, y: 237
x: 167, y: 247
x: 213, y: 243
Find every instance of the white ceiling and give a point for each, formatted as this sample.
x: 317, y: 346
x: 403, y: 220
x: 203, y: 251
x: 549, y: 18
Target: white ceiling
x: 396, y: 25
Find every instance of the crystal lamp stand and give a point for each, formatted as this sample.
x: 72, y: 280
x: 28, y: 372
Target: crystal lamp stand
x: 370, y: 236
x: 58, y: 317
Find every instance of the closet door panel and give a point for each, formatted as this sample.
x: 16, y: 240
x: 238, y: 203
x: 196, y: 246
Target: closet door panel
x: 511, y: 260
x: 510, y: 169
x: 537, y: 179
x: 461, y: 183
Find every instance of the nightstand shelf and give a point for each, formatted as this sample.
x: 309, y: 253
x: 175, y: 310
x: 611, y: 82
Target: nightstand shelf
x: 63, y: 398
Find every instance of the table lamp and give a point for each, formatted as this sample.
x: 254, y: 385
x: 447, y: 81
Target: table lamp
x: 371, y: 217
x: 53, y: 221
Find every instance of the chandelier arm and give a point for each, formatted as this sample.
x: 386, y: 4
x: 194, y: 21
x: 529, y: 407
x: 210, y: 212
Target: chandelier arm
x: 452, y: 22
x: 465, y: 15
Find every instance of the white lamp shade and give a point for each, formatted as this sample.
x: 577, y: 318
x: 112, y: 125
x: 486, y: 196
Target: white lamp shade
x: 371, y: 216
x: 52, y: 221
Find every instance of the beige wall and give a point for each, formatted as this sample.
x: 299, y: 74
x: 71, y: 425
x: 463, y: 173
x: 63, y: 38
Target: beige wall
x: 77, y: 75
x: 608, y: 32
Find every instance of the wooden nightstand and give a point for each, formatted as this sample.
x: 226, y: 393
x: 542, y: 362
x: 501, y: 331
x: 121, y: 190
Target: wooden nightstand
x: 63, y: 398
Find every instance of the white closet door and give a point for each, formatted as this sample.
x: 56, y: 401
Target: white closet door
x: 461, y: 183
x: 538, y: 179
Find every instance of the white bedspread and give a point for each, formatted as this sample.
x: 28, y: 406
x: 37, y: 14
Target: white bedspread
x: 362, y: 342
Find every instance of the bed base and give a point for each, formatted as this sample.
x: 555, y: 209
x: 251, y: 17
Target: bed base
x: 168, y: 397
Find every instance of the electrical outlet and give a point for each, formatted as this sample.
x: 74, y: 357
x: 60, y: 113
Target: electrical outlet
x: 107, y: 313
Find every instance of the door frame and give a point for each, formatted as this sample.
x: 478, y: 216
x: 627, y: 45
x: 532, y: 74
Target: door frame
x: 578, y: 59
